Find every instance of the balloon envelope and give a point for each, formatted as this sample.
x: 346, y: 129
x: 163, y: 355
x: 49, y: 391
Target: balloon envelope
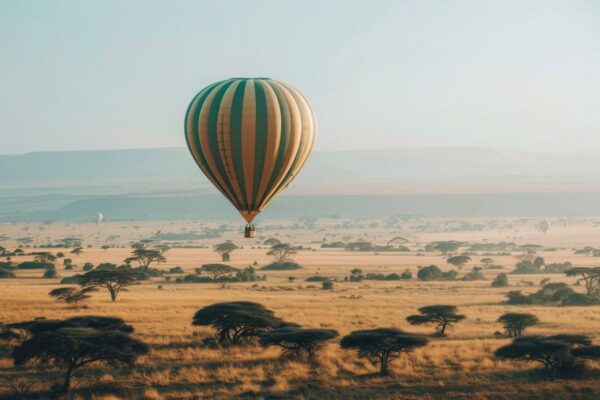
x: 250, y: 137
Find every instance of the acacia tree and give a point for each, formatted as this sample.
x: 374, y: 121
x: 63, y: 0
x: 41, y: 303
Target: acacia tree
x: 237, y: 321
x: 145, y: 257
x: 515, y: 324
x: 44, y: 257
x: 459, y: 261
x: 217, y: 270
x: 382, y: 345
x: 71, y: 295
x: 282, y: 253
x: 590, y: 276
x: 298, y: 341
x: 446, y: 247
x: 555, y: 353
x: 115, y: 281
x: 441, y: 316
x: 35, y: 326
x: 72, y: 348
x: 225, y: 249
x: 487, y: 261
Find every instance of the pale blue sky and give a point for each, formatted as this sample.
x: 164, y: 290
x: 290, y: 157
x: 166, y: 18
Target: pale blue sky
x: 119, y: 74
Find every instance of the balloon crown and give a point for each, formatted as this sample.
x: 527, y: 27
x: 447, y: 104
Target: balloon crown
x: 260, y: 78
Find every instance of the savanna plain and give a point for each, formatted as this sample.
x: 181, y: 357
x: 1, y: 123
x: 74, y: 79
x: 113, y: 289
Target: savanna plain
x: 182, y: 364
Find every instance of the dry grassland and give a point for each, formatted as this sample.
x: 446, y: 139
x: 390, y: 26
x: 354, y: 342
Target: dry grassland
x: 460, y: 366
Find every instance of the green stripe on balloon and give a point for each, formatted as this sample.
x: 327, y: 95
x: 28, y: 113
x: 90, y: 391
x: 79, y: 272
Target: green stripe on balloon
x: 262, y: 132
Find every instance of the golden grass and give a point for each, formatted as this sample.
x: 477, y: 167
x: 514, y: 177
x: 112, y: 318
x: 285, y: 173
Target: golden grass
x: 460, y: 366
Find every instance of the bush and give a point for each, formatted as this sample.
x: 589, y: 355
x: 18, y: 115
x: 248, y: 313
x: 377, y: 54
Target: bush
x: 474, y: 275
x: 88, y: 266
x: 194, y: 279
x: 527, y: 267
x: 327, y: 285
x: 515, y: 297
x: 176, y: 270
x: 286, y: 266
x: 552, y: 293
x: 429, y: 273
x: 70, y: 280
x: 50, y: 273
x: 35, y: 265
x: 389, y: 277
x: 433, y: 273
x: 317, y: 278
x: 558, y: 268
x: 579, y: 299
x: 501, y: 280
x: 6, y: 273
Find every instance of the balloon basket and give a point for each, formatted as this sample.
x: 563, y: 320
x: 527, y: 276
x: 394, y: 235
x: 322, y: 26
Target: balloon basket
x: 249, y: 231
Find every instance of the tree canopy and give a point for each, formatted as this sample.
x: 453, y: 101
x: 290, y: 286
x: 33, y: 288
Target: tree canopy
x: 382, y: 345
x: 590, y: 276
x: 225, y: 249
x: 446, y: 247
x: 441, y: 316
x: 298, y: 341
x: 72, y: 348
x: 71, y: 295
x: 86, y: 321
x: 282, y: 253
x: 145, y: 257
x: 459, y: 261
x: 217, y: 270
x: 115, y: 281
x: 557, y: 353
x: 237, y: 321
x: 515, y: 324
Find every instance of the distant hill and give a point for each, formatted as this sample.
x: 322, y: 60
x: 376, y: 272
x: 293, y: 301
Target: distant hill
x: 165, y: 183
x: 214, y: 207
x: 403, y: 170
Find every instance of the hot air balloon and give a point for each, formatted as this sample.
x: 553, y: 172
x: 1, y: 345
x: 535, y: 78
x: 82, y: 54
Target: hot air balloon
x: 250, y: 137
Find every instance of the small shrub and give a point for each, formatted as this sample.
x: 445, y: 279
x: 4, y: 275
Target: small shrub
x: 501, y: 280
x: 285, y: 266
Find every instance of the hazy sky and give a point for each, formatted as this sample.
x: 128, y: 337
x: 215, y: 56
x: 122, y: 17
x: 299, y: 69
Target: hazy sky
x: 101, y: 74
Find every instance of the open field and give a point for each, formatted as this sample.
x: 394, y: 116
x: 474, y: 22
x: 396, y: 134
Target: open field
x: 460, y: 366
